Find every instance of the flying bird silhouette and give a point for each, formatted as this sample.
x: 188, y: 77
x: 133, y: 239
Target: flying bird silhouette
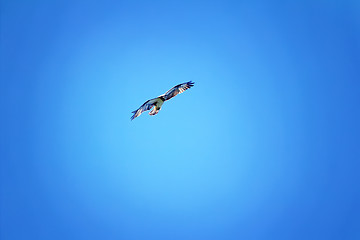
x: 158, y: 102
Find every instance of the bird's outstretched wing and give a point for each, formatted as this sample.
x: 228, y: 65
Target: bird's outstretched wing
x: 178, y: 89
x: 145, y: 107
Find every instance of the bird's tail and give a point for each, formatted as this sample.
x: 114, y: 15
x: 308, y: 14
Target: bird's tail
x: 154, y: 111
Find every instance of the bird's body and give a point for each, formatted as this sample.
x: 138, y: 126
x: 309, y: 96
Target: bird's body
x: 156, y: 103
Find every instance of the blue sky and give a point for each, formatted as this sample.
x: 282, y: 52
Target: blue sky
x: 264, y: 146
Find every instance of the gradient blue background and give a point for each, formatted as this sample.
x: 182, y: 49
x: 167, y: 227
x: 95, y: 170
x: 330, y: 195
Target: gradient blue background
x: 265, y: 146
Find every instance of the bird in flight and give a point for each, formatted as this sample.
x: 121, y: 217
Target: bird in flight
x: 158, y: 102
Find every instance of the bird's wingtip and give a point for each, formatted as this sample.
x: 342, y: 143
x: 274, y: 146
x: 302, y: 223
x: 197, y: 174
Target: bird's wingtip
x: 133, y: 116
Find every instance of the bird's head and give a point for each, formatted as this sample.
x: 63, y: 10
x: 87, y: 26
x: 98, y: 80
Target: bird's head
x: 162, y: 97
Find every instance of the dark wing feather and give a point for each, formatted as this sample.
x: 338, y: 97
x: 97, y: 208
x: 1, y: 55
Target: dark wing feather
x: 145, y: 107
x: 178, y: 89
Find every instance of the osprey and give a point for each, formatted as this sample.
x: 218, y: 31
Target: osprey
x: 158, y: 102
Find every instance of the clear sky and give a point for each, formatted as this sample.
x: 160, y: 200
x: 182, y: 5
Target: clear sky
x: 264, y: 146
